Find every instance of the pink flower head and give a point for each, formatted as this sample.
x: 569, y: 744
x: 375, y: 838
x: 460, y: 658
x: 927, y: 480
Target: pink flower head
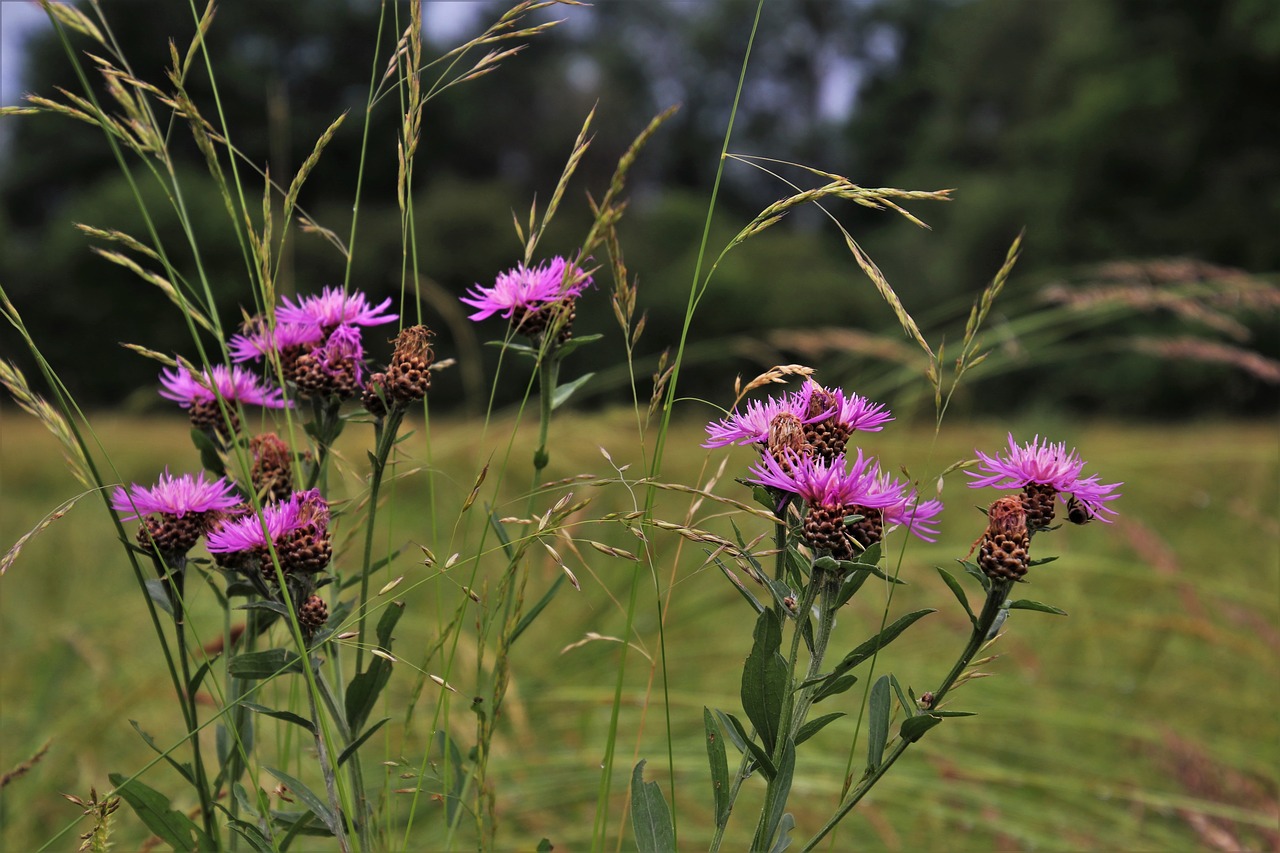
x: 302, y: 511
x: 256, y: 343
x: 752, y: 425
x: 332, y: 308
x: 851, y: 412
x: 527, y: 288
x: 1048, y: 465
x: 231, y: 383
x: 174, y: 496
x: 823, y: 483
x: 342, y: 353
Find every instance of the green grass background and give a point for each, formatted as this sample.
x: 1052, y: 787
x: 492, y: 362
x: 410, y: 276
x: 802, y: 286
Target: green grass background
x: 1146, y: 720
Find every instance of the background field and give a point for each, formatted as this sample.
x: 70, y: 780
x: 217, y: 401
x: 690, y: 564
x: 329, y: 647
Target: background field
x: 1145, y: 720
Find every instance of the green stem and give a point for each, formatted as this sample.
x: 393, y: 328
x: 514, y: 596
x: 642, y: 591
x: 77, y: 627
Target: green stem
x: 330, y: 778
x: 174, y: 576
x: 548, y: 375
x: 996, y: 596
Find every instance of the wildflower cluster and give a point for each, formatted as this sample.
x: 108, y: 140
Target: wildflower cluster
x: 803, y: 439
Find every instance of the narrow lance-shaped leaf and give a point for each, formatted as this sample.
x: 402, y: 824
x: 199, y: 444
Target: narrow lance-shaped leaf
x: 875, y: 644
x: 1028, y: 604
x: 152, y: 808
x: 879, y: 723
x: 650, y: 817
x: 719, y: 768
x: 775, y: 802
x: 764, y: 680
x: 958, y: 592
x: 308, y: 798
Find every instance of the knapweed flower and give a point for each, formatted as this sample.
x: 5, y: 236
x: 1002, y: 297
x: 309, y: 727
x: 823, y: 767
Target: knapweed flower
x: 183, y: 504
x: 845, y: 414
x: 298, y: 527
x: 813, y: 420
x: 336, y: 367
x: 1003, y: 550
x: 233, y: 384
x: 271, y: 471
x: 1046, y: 471
x: 333, y: 308
x: 530, y: 297
x: 832, y: 490
x: 257, y: 341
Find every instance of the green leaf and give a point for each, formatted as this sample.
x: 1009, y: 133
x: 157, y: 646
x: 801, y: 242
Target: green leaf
x: 159, y: 592
x: 913, y: 728
x: 362, y: 692
x: 974, y: 572
x: 503, y: 538
x: 184, y: 770
x: 775, y: 799
x: 784, y: 834
x: 575, y: 342
x: 875, y: 644
x: 152, y: 808
x: 834, y: 687
x: 1041, y: 561
x: 850, y: 566
x: 273, y: 606
x: 908, y: 707
x: 958, y: 592
x: 733, y: 730
x: 719, y: 768
x: 355, y: 744
x: 1028, y: 604
x: 286, y: 716
x: 264, y: 664
x: 879, y: 723
x: 308, y: 798
x: 849, y: 588
x: 565, y: 391
x: 816, y: 725
x: 764, y: 680
x: 253, y: 835
x: 528, y: 618
x: 650, y: 817
x: 544, y: 846
x: 762, y: 759
x: 210, y: 458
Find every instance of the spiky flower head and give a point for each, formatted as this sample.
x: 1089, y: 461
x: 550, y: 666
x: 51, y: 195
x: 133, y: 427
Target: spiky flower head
x: 754, y: 424
x: 1045, y: 471
x: 828, y: 417
x: 1003, y: 552
x: 199, y: 393
x: 174, y: 512
x: 832, y: 490
x: 835, y: 415
x: 176, y: 496
x: 257, y: 341
x: 271, y: 471
x: 408, y: 377
x: 335, y: 367
x: 522, y: 290
x: 298, y: 528
x: 334, y: 307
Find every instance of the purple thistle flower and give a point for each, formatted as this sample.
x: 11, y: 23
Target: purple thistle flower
x: 823, y: 483
x: 333, y: 308
x: 245, y: 533
x: 306, y: 511
x: 752, y: 425
x: 232, y: 383
x: 527, y: 288
x: 256, y: 343
x: 342, y: 353
x: 1045, y: 464
x: 174, y: 496
x: 851, y: 412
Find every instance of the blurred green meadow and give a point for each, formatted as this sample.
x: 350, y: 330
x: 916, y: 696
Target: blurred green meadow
x: 1145, y: 720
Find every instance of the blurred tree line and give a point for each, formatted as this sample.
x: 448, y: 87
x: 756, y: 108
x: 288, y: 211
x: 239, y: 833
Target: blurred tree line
x: 1111, y: 130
